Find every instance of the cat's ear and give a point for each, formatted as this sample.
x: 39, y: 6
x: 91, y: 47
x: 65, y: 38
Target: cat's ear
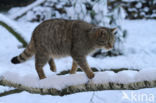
x: 113, y: 30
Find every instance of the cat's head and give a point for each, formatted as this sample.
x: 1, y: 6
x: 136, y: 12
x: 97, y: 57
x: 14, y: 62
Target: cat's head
x: 105, y: 37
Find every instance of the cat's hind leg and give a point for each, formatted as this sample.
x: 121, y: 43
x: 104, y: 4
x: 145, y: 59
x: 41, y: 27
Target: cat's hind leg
x: 52, y: 65
x: 40, y: 61
x: 74, y: 68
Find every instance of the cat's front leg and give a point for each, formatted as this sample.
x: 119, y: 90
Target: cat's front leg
x: 82, y: 62
x: 52, y: 65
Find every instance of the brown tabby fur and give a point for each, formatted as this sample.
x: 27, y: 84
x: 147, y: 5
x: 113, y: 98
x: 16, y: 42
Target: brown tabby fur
x: 59, y: 38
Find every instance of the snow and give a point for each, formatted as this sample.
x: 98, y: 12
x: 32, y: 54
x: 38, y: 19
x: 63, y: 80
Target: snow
x: 63, y: 81
x: 3, y: 89
x: 146, y: 9
x: 25, y: 9
x: 11, y: 23
x: 138, y: 5
x: 139, y: 53
x: 132, y: 9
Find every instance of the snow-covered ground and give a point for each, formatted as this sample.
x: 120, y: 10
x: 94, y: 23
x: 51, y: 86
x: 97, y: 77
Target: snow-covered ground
x: 140, y: 53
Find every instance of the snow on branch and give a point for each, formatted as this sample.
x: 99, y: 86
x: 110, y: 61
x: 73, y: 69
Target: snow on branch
x: 11, y: 26
x: 24, y: 10
x: 74, y: 83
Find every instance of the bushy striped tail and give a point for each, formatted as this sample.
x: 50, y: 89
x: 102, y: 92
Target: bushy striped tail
x: 26, y: 54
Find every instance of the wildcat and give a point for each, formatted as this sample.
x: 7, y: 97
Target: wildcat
x: 57, y: 38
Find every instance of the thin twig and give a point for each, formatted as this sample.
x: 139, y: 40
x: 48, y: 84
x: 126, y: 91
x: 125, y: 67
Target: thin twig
x: 12, y: 31
x: 10, y: 92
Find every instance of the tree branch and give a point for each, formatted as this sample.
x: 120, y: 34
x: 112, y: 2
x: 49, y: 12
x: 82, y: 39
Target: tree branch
x: 83, y: 87
x: 10, y: 92
x: 16, y: 34
x: 98, y: 70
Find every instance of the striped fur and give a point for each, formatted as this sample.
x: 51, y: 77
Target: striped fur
x: 26, y: 54
x: 57, y: 38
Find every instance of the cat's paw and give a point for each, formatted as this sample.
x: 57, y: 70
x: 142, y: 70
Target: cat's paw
x: 90, y: 75
x: 72, y: 72
x: 42, y: 77
x: 53, y: 69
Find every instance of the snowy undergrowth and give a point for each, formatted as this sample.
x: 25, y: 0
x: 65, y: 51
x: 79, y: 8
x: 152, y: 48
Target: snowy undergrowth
x: 27, y: 8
